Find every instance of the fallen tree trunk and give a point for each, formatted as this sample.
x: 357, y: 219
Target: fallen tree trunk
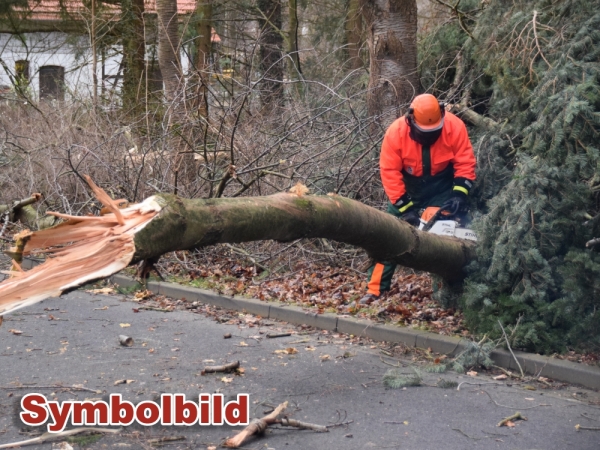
x: 186, y: 224
x: 82, y: 249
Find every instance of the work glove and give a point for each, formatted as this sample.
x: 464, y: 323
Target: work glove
x: 411, y: 217
x: 458, y: 202
x: 406, y: 208
x: 455, y: 204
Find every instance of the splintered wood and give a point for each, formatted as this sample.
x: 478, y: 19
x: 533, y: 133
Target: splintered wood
x: 79, y: 250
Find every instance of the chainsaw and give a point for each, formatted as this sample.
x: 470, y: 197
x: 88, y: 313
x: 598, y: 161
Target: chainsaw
x: 438, y: 221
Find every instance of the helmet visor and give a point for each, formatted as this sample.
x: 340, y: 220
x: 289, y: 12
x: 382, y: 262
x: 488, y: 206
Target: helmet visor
x: 429, y: 127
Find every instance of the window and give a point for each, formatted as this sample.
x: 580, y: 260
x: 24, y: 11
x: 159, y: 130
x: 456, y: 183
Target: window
x: 52, y: 82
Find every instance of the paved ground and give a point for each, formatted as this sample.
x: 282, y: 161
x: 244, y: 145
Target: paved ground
x: 80, y: 348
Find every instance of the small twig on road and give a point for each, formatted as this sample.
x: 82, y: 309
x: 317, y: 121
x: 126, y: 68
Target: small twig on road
x: 277, y: 335
x: 224, y: 368
x: 68, y: 388
x: 465, y: 434
x: 302, y: 425
x: 152, y: 308
x: 399, y: 364
x: 510, y: 349
x: 515, y: 416
x: 579, y: 427
x: 340, y: 424
x: 51, y: 436
x: 257, y: 426
x: 511, y: 407
x: 508, y: 373
x: 588, y: 417
x: 165, y: 439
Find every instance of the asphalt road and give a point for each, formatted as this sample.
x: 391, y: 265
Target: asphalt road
x: 74, y: 341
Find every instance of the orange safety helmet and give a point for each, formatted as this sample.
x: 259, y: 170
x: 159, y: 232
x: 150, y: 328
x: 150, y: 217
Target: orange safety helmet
x: 426, y: 113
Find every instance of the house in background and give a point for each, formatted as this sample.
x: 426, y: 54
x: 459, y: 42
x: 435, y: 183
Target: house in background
x: 52, y: 55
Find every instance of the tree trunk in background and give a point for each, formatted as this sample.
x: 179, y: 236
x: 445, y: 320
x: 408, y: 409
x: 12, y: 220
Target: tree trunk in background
x: 168, y: 47
x: 354, y: 33
x: 293, y: 38
x: 202, y: 56
x: 184, y: 167
x: 271, y: 52
x: 134, y: 55
x: 393, y: 81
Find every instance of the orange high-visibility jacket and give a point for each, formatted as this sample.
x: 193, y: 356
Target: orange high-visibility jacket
x: 400, y: 153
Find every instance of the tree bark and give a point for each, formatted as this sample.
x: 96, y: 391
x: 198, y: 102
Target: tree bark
x: 392, y: 40
x: 293, y: 38
x: 354, y: 33
x: 134, y: 55
x: 202, y: 57
x: 271, y: 53
x: 168, y: 47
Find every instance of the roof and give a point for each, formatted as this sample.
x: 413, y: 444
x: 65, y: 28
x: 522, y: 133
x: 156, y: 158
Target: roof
x: 48, y: 10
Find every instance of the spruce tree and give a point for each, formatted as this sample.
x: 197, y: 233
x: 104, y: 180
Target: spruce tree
x: 533, y: 67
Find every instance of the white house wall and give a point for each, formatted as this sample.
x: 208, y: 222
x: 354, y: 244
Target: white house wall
x: 56, y: 49
x: 61, y: 49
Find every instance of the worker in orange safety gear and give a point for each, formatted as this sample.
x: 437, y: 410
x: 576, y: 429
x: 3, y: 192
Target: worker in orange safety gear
x: 426, y: 160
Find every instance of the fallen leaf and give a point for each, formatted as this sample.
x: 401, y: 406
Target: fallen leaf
x: 405, y: 422
x: 291, y: 351
x: 325, y: 357
x: 226, y: 379
x: 310, y: 348
x: 243, y: 344
x: 500, y: 377
x: 104, y: 308
x: 509, y: 424
x: 106, y: 290
x: 472, y: 373
x: 123, y: 382
x: 124, y: 325
x: 15, y: 332
x: 240, y: 370
x: 151, y: 350
x: 165, y: 379
x: 529, y: 388
x: 142, y: 295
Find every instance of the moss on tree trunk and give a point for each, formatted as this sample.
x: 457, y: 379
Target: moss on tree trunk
x: 187, y: 224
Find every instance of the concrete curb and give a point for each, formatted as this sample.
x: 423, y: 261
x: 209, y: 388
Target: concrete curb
x: 532, y: 364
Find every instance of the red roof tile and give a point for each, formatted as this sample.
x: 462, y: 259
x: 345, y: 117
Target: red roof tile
x: 50, y: 9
